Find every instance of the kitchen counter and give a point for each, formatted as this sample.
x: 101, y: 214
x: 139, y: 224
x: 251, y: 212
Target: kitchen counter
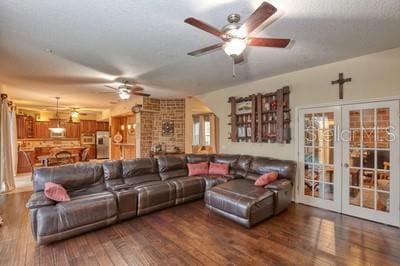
x: 50, y: 147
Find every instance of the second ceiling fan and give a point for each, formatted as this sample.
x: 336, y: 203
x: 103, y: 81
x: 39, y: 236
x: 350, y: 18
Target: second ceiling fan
x: 125, y: 90
x: 235, y: 35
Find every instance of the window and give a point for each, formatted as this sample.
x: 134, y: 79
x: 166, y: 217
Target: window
x: 196, y: 131
x: 203, y: 129
x: 207, y: 131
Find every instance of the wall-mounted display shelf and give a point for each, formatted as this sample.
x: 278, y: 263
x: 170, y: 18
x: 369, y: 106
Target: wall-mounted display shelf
x: 261, y: 117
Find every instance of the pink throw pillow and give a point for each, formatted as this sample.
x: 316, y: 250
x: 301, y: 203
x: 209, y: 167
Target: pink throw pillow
x: 198, y: 168
x: 55, y: 192
x: 218, y: 169
x: 266, y: 179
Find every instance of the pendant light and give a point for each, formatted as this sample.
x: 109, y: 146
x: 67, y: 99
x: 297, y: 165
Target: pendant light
x: 57, y: 129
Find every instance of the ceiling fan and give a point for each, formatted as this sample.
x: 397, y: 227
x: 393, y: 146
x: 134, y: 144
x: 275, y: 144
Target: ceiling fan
x: 125, y: 90
x: 235, y: 35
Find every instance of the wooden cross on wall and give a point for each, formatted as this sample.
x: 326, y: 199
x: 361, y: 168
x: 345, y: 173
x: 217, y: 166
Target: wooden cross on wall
x: 341, y: 81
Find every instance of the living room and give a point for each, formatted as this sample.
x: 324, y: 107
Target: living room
x: 124, y: 141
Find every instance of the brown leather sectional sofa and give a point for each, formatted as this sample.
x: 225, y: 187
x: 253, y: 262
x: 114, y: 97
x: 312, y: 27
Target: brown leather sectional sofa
x: 102, y: 194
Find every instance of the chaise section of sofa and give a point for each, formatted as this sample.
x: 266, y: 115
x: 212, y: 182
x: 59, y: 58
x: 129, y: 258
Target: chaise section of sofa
x: 243, y: 202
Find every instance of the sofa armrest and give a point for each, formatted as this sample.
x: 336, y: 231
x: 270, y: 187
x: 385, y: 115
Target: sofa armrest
x: 282, y: 189
x: 38, y: 200
x: 279, y: 184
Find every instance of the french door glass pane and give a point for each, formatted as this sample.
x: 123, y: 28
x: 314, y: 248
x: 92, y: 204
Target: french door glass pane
x: 355, y: 158
x: 383, y: 180
x: 355, y: 196
x: 383, y: 139
x: 355, y: 137
x: 368, y: 138
x: 355, y: 119
x: 382, y: 201
x: 355, y: 177
x: 368, y: 199
x: 382, y: 117
x: 368, y: 118
x: 329, y: 174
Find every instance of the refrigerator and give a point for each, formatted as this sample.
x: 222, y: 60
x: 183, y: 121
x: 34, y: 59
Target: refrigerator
x: 102, y: 144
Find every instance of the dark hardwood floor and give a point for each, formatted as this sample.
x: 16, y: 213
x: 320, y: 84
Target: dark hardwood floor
x: 189, y: 234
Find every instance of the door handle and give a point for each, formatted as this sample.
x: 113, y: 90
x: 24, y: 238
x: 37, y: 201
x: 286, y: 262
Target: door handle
x: 346, y: 165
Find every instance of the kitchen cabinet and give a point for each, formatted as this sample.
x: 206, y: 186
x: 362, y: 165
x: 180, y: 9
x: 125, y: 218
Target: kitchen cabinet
x: 25, y: 128
x: 102, y: 126
x: 41, y: 129
x: 72, y: 130
x: 88, y: 126
x: 21, y: 127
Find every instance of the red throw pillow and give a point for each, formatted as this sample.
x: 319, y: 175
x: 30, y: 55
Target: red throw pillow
x: 218, y: 169
x: 265, y: 179
x: 198, y: 168
x: 55, y: 192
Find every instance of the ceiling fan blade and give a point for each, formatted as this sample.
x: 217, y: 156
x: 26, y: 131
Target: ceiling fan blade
x: 110, y: 87
x: 206, y: 49
x: 238, y: 59
x: 268, y: 42
x: 136, y: 88
x: 262, y: 13
x: 204, y: 26
x: 141, y: 94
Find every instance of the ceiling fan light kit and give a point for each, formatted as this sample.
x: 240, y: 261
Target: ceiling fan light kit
x: 234, y: 46
x: 125, y: 91
x: 124, y: 95
x: 235, y: 35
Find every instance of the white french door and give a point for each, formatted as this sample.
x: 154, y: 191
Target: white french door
x: 371, y: 161
x: 319, y: 154
x: 349, y: 159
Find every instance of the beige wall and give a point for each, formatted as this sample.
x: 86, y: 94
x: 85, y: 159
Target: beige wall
x: 375, y: 75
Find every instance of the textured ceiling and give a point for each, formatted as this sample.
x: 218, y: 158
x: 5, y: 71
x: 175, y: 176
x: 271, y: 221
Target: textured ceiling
x: 95, y: 42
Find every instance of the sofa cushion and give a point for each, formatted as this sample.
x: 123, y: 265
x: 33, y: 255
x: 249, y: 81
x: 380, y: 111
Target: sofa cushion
x: 71, y: 177
x: 213, y: 180
x: 266, y: 179
x: 198, y: 158
x: 55, y: 192
x: 112, y: 169
x: 188, y: 188
x: 243, y: 165
x: 171, y: 167
x: 140, y: 171
x: 198, y: 168
x: 154, y: 196
x: 80, y: 211
x: 112, y: 172
x: 230, y: 159
x: 238, y: 197
x: 262, y: 165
